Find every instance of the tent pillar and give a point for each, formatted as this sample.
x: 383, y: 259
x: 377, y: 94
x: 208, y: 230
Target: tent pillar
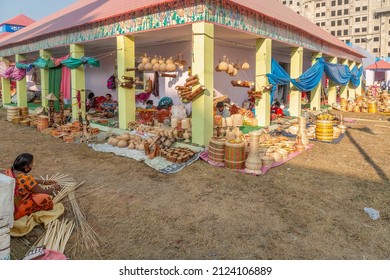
x: 344, y: 89
x: 6, y: 90
x: 45, y: 54
x: 77, y: 81
x: 358, y: 90
x: 315, y: 96
x: 332, y: 90
x: 202, y: 107
x: 126, y: 96
x: 296, y: 71
x: 352, y: 90
x: 263, y: 67
x: 21, y: 86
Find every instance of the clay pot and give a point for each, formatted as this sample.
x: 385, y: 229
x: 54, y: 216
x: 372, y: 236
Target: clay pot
x: 245, y: 65
x: 131, y: 145
x: 169, y: 60
x: 122, y: 143
x: 163, y: 67
x: 223, y: 66
x: 154, y: 60
x: 114, y: 141
x: 230, y: 69
x: 145, y: 59
x: 125, y: 136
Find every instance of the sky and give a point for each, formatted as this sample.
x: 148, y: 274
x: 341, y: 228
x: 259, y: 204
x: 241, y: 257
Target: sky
x: 35, y: 9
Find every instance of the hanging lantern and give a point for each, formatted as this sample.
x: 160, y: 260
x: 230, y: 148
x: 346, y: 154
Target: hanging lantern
x: 245, y: 65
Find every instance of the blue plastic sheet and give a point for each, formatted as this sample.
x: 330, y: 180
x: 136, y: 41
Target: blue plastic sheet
x: 339, y: 74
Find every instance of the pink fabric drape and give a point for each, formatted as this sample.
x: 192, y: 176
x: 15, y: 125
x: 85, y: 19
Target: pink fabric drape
x: 15, y: 73
x: 65, y: 83
x: 57, y: 61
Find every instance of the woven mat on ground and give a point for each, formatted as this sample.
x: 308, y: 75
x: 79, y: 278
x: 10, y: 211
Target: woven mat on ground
x: 158, y: 163
x: 26, y: 224
x: 205, y: 157
x: 334, y: 141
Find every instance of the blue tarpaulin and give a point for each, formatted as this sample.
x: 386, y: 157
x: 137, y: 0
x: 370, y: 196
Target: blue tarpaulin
x: 339, y: 74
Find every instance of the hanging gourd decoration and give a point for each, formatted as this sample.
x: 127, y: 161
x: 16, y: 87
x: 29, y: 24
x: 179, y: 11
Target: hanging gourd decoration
x: 230, y: 69
x: 145, y: 59
x: 217, y: 67
x: 237, y: 65
x: 154, y: 60
x: 141, y: 67
x: 163, y: 66
x: 170, y: 65
x: 169, y: 60
x: 177, y: 61
x: 148, y: 66
x: 182, y: 62
x: 161, y: 60
x: 245, y: 65
x: 223, y: 66
x: 234, y: 73
x: 156, y: 67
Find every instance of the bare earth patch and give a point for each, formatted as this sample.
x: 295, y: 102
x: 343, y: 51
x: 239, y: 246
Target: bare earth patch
x: 309, y: 208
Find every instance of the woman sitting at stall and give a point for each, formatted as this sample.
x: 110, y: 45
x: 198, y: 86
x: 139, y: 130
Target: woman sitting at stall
x: 29, y: 196
x: 276, y: 111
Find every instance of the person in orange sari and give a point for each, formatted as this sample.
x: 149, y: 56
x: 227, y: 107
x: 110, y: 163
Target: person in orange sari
x: 29, y: 196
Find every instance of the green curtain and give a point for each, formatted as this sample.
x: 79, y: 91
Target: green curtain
x: 55, y: 84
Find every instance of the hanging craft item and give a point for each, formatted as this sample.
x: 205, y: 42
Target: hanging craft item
x: 51, y: 97
x: 223, y: 65
x: 245, y: 65
x: 187, y: 92
x: 252, y: 93
x: 239, y: 83
x: 128, y: 83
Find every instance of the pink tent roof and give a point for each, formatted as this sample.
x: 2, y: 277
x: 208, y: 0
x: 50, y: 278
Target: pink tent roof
x: 3, y: 34
x: 381, y: 64
x: 89, y: 11
x: 20, y: 20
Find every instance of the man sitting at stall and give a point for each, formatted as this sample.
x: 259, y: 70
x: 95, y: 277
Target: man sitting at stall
x: 108, y: 106
x: 222, y: 110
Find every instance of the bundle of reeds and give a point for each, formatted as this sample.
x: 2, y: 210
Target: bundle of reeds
x: 88, y: 238
x: 56, y: 235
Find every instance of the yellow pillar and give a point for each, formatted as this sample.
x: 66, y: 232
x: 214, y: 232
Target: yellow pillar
x: 45, y: 54
x: 6, y: 90
x: 332, y: 90
x: 296, y: 71
x: 77, y: 81
x: 352, y: 90
x: 359, y: 88
x: 126, y: 97
x: 315, y: 95
x: 21, y: 86
x: 263, y: 67
x: 344, y: 89
x: 202, y: 64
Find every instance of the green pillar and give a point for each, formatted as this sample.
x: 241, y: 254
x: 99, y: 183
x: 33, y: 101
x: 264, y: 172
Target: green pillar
x: 45, y: 54
x: 77, y: 81
x: 315, y: 95
x: 352, y: 90
x: 6, y: 90
x: 21, y: 86
x: 126, y: 96
x: 332, y: 90
x: 344, y: 89
x: 202, y: 65
x: 296, y: 71
x: 263, y: 67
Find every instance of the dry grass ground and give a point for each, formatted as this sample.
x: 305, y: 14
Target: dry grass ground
x: 309, y: 208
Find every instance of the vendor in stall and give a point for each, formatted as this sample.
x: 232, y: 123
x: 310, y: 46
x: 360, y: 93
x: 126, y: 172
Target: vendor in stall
x: 108, y: 106
x: 276, y: 111
x: 149, y: 104
x: 222, y: 110
x: 30, y: 196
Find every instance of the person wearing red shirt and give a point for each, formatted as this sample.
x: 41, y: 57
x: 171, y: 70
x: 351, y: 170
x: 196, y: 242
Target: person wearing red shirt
x: 276, y: 111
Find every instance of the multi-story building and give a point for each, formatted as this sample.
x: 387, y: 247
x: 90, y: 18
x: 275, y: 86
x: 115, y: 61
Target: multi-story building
x: 365, y: 23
